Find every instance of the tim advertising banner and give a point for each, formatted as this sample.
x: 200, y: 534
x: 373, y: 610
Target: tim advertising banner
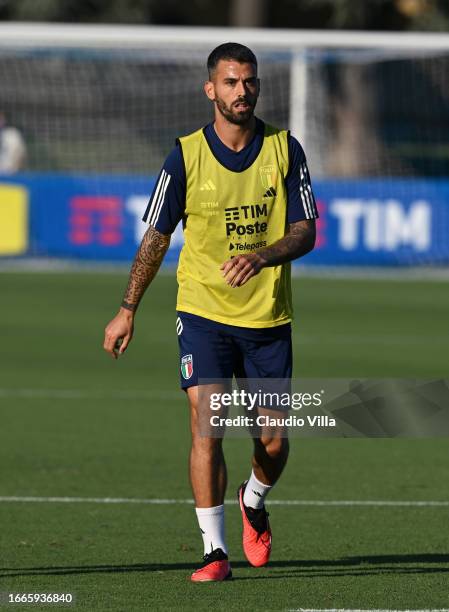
x: 369, y: 222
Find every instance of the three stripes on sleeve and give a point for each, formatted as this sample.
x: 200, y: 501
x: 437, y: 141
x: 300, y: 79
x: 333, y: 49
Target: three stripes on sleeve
x: 154, y: 208
x: 305, y: 191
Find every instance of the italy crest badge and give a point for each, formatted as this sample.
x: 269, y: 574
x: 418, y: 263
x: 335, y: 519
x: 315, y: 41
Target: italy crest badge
x: 187, y: 366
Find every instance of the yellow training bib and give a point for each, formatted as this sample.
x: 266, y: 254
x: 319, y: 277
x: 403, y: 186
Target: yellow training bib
x: 232, y: 213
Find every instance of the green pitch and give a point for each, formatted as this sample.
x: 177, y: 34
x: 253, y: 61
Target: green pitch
x: 75, y: 423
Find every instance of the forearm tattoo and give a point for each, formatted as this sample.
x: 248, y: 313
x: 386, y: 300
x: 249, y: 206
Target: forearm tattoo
x: 146, y: 263
x: 299, y: 241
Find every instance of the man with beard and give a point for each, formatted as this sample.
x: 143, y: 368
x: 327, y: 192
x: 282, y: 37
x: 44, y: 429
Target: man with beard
x: 243, y: 193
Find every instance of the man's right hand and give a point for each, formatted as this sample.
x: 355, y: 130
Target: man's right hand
x: 118, y: 333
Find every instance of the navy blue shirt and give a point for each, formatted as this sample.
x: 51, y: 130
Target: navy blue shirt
x: 167, y: 203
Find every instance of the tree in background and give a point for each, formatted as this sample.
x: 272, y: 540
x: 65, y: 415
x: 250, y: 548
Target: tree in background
x: 362, y: 15
x: 161, y: 12
x: 87, y: 11
x: 334, y: 14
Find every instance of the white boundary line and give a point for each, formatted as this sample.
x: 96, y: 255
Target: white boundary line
x: 365, y: 610
x: 272, y: 502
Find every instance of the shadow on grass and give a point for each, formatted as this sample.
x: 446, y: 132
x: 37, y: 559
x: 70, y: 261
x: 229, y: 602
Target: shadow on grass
x: 301, y: 568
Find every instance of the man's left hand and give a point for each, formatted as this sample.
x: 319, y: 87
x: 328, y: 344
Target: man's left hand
x: 238, y: 270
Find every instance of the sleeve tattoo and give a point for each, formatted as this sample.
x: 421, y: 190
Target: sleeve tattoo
x: 299, y: 241
x: 146, y: 263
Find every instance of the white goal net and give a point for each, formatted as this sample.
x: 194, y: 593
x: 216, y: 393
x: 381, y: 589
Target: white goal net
x: 115, y: 102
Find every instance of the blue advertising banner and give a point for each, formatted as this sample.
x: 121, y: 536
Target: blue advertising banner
x: 362, y: 222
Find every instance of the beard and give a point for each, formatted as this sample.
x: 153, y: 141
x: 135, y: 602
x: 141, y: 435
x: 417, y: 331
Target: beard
x: 233, y: 115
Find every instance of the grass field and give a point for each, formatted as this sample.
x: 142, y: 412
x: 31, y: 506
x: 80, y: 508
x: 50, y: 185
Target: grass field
x: 76, y: 424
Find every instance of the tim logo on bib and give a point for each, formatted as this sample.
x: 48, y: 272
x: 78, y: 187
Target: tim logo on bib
x: 187, y: 366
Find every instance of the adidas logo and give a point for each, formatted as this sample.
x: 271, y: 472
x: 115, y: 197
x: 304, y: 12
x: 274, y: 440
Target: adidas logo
x: 270, y: 193
x: 208, y: 186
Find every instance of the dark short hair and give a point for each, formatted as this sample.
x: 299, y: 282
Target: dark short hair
x: 230, y: 51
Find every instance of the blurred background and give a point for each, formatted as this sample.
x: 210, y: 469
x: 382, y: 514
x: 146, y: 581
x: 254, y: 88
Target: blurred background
x: 93, y: 94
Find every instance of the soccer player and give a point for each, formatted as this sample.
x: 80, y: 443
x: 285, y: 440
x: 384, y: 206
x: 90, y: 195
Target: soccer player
x: 242, y: 190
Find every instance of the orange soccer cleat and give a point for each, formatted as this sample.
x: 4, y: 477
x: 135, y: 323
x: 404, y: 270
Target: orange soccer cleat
x: 256, y: 532
x: 215, y: 568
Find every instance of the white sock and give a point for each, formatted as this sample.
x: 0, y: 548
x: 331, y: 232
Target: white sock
x: 211, y: 522
x: 255, y: 493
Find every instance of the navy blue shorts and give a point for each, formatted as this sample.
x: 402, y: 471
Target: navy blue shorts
x: 211, y: 350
